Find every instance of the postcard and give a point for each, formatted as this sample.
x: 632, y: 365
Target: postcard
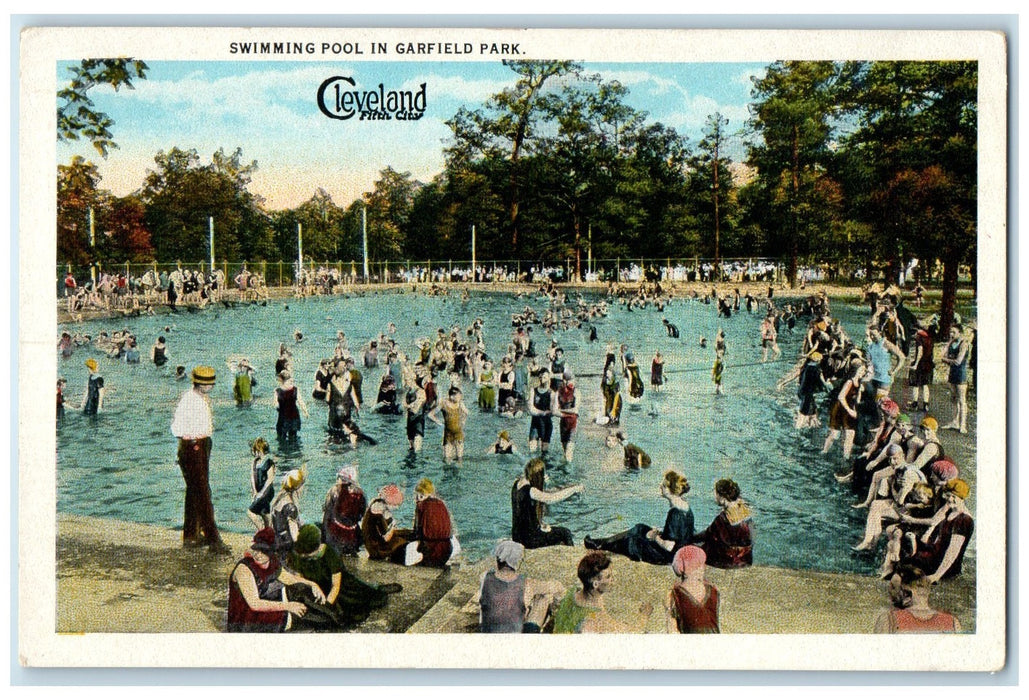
x: 380, y: 342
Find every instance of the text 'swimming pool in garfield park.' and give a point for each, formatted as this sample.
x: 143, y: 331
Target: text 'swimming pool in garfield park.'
x: 121, y: 568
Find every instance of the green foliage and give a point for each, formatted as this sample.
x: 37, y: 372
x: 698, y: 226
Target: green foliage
x: 181, y: 194
x: 857, y: 164
x: 389, y: 209
x: 76, y: 113
x: 77, y: 192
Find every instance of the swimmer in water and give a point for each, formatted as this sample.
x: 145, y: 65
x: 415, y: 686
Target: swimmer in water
x: 657, y: 371
x: 454, y: 415
x: 503, y: 445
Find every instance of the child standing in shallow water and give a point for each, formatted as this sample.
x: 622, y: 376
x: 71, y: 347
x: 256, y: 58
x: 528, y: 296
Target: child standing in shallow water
x: 716, y: 371
x: 262, y: 484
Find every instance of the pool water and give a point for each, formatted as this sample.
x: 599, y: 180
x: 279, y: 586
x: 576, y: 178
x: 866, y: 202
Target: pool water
x: 121, y: 465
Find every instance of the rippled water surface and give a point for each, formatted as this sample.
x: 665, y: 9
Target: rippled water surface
x: 122, y: 465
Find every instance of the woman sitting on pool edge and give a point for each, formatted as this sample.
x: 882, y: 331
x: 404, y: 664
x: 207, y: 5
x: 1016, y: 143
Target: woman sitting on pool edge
x: 528, y: 503
x: 654, y: 546
x: 728, y: 540
x: 256, y: 590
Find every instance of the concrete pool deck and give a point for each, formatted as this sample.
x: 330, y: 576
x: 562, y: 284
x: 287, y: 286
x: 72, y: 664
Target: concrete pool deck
x: 121, y: 577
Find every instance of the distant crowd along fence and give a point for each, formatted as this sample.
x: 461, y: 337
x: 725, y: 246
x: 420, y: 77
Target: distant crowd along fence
x: 626, y: 270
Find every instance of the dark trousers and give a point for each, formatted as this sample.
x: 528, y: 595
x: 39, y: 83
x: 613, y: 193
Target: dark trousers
x: 198, y: 518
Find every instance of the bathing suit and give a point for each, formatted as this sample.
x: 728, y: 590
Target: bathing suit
x: 288, y: 424
x: 261, y: 505
x: 958, y: 373
x: 565, y: 402
x: 657, y: 369
x: 452, y: 430
x: 635, y: 382
x: 96, y: 383
x: 415, y: 419
x: 693, y: 616
x: 540, y: 426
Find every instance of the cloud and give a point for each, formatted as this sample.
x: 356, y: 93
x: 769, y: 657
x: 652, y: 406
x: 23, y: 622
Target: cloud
x: 746, y: 77
x: 456, y: 87
x: 657, y: 84
x: 692, y: 120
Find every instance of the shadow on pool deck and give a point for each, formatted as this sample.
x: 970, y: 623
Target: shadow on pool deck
x: 114, y: 576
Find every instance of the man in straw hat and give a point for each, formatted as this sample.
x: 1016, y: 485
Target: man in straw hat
x: 193, y: 426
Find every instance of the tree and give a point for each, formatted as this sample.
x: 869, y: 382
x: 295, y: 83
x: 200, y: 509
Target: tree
x: 389, y: 209
x: 932, y: 208
x: 711, y: 183
x: 577, y: 164
x: 917, y: 137
x: 181, y: 194
x: 507, y: 127
x: 322, y: 227
x: 76, y: 114
x: 129, y: 235
x: 795, y: 108
x: 77, y: 194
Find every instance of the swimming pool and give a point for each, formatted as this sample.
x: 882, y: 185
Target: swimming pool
x: 122, y: 464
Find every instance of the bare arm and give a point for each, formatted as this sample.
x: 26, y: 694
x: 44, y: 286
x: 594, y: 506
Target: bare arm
x: 949, y: 557
x: 883, y: 623
x: 248, y: 588
x: 671, y: 624
x: 928, y: 453
x: 843, y: 398
x: 554, y: 496
x: 337, y: 583
x: 896, y: 352
x: 289, y: 578
x: 794, y: 373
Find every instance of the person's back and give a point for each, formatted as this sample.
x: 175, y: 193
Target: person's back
x: 502, y: 604
x: 434, y: 520
x: 880, y: 359
x: 570, y: 616
x: 696, y: 616
x: 903, y: 621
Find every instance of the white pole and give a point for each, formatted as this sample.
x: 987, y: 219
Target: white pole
x: 92, y: 247
x: 300, y: 247
x: 210, y: 229
x: 364, y: 236
x: 473, y: 252
x: 589, y: 251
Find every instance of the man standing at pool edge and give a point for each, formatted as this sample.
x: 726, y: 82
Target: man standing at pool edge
x: 193, y: 425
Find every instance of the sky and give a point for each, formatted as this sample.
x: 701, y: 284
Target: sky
x: 270, y: 111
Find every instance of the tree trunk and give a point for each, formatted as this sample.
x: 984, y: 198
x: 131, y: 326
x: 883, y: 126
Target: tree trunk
x: 578, y: 251
x: 791, y: 271
x: 950, y: 294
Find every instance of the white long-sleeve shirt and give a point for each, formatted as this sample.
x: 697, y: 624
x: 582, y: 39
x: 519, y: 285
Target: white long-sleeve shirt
x: 192, y: 419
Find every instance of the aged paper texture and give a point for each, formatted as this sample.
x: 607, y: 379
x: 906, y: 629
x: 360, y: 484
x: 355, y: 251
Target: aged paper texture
x: 732, y: 209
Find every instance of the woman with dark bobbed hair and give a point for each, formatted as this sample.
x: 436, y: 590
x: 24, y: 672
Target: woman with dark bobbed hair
x: 728, y: 540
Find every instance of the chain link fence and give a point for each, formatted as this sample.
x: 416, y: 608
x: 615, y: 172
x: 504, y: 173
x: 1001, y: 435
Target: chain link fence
x: 286, y: 273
